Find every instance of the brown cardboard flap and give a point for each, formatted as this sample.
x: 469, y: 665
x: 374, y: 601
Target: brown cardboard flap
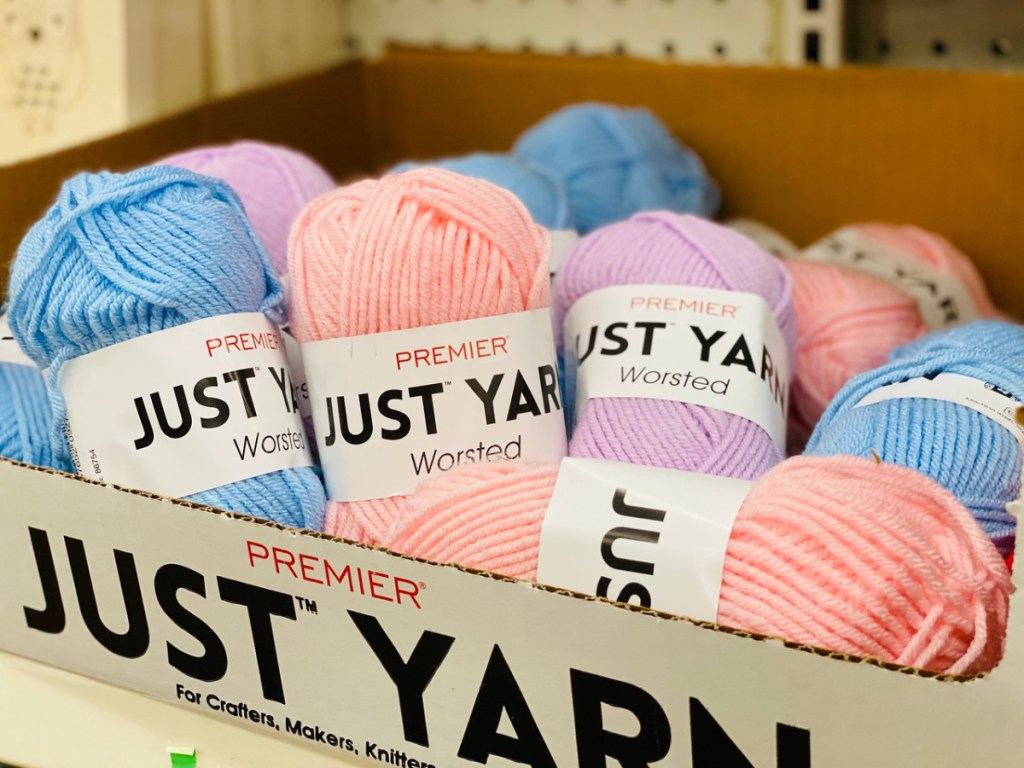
x: 805, y: 150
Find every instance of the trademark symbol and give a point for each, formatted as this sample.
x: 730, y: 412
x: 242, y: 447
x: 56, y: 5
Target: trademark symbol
x: 422, y: 585
x: 447, y: 383
x: 306, y: 605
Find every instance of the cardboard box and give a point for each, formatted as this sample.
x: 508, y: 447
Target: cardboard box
x: 345, y: 649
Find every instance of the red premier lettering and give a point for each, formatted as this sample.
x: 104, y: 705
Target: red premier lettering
x: 301, y: 566
x: 680, y: 304
x: 242, y: 342
x: 449, y: 353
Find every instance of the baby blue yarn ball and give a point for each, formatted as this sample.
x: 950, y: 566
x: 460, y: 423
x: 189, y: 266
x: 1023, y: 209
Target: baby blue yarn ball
x: 542, y: 194
x: 996, y: 337
x: 119, y: 256
x: 25, y: 417
x: 972, y: 455
x: 614, y: 162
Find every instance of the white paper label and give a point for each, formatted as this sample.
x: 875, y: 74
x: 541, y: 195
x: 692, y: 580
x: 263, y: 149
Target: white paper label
x: 392, y: 409
x: 186, y: 409
x: 985, y: 398
x: 561, y: 241
x: 643, y: 535
x: 764, y: 236
x: 719, y: 349
x: 942, y: 300
x: 10, y: 352
x: 300, y: 390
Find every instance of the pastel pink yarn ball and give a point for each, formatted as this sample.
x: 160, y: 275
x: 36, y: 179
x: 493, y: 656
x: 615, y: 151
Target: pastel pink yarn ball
x: 836, y: 552
x: 274, y: 183
x: 936, y: 252
x: 424, y: 247
x: 847, y: 322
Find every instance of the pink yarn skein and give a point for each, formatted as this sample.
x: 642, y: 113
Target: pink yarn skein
x: 274, y: 183
x: 836, y: 552
x: 412, y: 249
x: 847, y: 322
x: 672, y: 249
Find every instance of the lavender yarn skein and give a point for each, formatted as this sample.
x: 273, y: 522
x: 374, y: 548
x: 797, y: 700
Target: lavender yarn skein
x: 274, y: 182
x: 671, y: 249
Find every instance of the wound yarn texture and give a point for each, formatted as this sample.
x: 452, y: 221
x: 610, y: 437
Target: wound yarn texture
x: 539, y: 191
x: 25, y: 417
x: 848, y: 321
x: 972, y: 455
x: 838, y: 552
x: 119, y: 256
x: 274, y: 183
x: 424, y: 247
x: 614, y: 162
x: 664, y: 248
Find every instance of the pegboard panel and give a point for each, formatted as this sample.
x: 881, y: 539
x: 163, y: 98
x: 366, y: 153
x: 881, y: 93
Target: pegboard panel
x: 255, y: 43
x: 938, y: 34
x: 810, y: 32
x: 737, y: 31
x: 74, y: 70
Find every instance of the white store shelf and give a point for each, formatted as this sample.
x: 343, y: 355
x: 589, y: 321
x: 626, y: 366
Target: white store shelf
x: 54, y: 719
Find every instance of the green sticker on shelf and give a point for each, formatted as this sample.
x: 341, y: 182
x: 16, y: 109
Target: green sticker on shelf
x: 182, y: 757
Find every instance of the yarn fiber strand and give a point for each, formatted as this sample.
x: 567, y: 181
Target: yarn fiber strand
x: 122, y: 256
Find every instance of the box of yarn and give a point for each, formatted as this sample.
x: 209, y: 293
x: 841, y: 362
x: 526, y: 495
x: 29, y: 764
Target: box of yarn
x: 356, y: 651
x: 839, y: 591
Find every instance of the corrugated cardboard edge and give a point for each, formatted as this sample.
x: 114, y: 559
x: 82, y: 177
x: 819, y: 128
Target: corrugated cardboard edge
x: 648, y: 612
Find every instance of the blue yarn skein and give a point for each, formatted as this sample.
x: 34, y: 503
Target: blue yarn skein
x: 120, y: 256
x: 539, y: 191
x: 994, y: 336
x: 25, y: 417
x: 615, y: 162
x: 977, y: 459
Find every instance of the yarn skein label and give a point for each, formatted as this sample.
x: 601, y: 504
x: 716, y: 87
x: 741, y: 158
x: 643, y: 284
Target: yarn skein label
x: 561, y: 241
x: 10, y: 352
x: 984, y: 397
x: 643, y: 535
x: 764, y: 237
x: 708, y: 347
x: 943, y: 301
x: 393, y: 409
x: 300, y: 389
x: 185, y: 409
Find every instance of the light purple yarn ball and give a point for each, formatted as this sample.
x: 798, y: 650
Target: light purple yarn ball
x: 274, y: 183
x: 672, y: 249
